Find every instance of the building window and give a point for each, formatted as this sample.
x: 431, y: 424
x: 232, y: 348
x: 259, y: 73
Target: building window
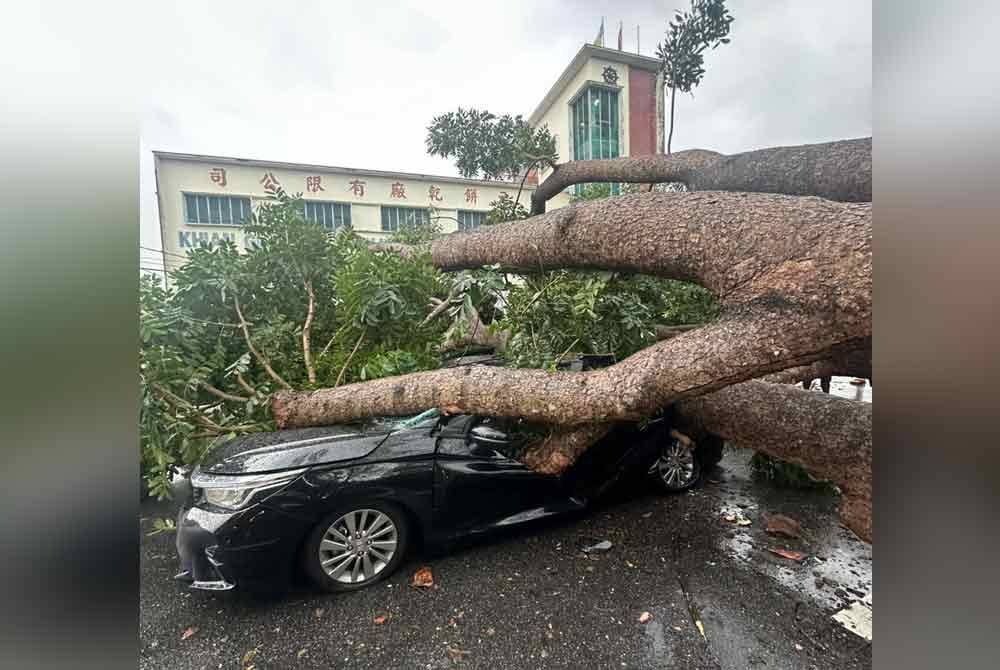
x: 595, y: 127
x: 470, y: 220
x: 394, y: 218
x: 330, y: 215
x: 224, y: 210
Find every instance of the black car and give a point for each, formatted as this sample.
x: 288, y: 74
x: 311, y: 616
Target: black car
x: 344, y: 503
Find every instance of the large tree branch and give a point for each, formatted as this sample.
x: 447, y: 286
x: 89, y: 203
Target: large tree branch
x: 829, y: 436
x: 834, y: 170
x: 794, y: 275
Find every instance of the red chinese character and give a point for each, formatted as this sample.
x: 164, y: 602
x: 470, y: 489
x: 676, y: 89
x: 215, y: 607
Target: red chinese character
x: 471, y: 195
x: 313, y: 184
x: 398, y: 191
x: 218, y: 176
x: 434, y: 193
x: 270, y: 182
x: 358, y: 187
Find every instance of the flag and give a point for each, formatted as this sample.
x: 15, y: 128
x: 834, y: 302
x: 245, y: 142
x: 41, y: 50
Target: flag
x: 619, y: 35
x: 599, y: 40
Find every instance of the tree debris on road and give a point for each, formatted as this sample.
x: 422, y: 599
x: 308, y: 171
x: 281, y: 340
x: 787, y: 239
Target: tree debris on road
x: 779, y: 524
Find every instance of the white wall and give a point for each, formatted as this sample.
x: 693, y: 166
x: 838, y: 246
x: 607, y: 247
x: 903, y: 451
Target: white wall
x: 558, y: 116
x: 176, y: 177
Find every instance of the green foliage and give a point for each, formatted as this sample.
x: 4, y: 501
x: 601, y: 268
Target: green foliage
x: 705, y: 25
x: 685, y: 303
x: 490, y: 146
x: 783, y: 474
x: 553, y: 313
x: 368, y: 315
x: 162, y: 526
x: 418, y: 233
x: 505, y: 208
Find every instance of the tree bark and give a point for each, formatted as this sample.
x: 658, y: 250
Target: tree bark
x: 829, y: 436
x: 793, y: 276
x: 834, y: 170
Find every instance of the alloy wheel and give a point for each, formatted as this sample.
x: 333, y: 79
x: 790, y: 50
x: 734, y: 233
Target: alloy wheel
x: 676, y: 466
x: 358, y: 546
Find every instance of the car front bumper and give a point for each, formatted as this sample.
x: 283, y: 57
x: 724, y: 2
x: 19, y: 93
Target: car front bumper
x: 251, y: 548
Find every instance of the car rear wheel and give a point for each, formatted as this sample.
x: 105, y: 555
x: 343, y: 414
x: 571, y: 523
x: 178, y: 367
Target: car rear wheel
x: 678, y: 467
x: 356, y: 546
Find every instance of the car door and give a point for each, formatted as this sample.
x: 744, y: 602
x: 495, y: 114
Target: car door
x: 477, y: 486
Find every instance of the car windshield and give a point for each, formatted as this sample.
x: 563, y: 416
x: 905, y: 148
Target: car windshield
x: 414, y: 421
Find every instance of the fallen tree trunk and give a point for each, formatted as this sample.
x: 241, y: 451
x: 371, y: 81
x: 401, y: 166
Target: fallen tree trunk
x: 834, y: 170
x: 793, y: 276
x: 829, y: 436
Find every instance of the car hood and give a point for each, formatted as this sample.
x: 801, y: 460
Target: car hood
x: 287, y: 449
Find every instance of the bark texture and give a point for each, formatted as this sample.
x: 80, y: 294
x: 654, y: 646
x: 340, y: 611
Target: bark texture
x: 839, y: 170
x: 793, y: 276
x: 829, y: 436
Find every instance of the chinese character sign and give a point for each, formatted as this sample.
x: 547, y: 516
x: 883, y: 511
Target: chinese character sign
x: 434, y: 193
x: 357, y: 187
x: 218, y: 176
x: 398, y: 191
x: 314, y: 184
x: 471, y: 195
x: 270, y: 182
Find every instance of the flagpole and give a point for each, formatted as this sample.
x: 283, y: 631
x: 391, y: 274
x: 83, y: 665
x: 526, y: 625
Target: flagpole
x: 637, y: 40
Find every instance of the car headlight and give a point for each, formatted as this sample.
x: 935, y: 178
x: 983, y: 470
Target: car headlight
x: 235, y: 491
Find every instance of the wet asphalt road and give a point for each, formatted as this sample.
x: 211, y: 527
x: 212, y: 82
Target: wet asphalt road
x: 531, y: 599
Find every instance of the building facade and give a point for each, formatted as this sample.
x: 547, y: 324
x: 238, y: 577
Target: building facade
x: 606, y: 104
x: 204, y: 199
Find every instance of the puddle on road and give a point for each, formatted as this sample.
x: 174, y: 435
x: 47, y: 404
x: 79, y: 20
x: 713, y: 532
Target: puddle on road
x: 837, y: 570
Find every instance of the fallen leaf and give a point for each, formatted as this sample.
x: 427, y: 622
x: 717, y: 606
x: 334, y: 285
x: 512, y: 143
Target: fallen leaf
x: 788, y: 553
x: 188, y: 632
x: 604, y: 545
x: 490, y: 631
x: 779, y: 524
x: 302, y: 652
x: 423, y: 578
x: 737, y: 517
x: 247, y: 657
x: 645, y: 617
x: 701, y: 629
x: 457, y: 654
x: 380, y: 619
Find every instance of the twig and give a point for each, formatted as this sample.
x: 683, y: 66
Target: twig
x: 348, y: 361
x: 517, y: 200
x: 219, y: 393
x: 440, y: 307
x: 334, y: 337
x: 253, y: 350
x: 246, y: 387
x: 306, y: 351
x: 572, y: 344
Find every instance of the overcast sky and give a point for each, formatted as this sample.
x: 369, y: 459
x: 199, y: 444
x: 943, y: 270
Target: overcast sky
x: 355, y: 84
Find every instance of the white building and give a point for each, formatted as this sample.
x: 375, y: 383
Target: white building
x: 606, y: 103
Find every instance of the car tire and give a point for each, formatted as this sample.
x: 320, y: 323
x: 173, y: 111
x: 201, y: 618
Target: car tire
x: 677, y: 468
x: 350, y: 548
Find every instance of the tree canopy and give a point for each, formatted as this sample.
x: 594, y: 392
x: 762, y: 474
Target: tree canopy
x: 488, y: 146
